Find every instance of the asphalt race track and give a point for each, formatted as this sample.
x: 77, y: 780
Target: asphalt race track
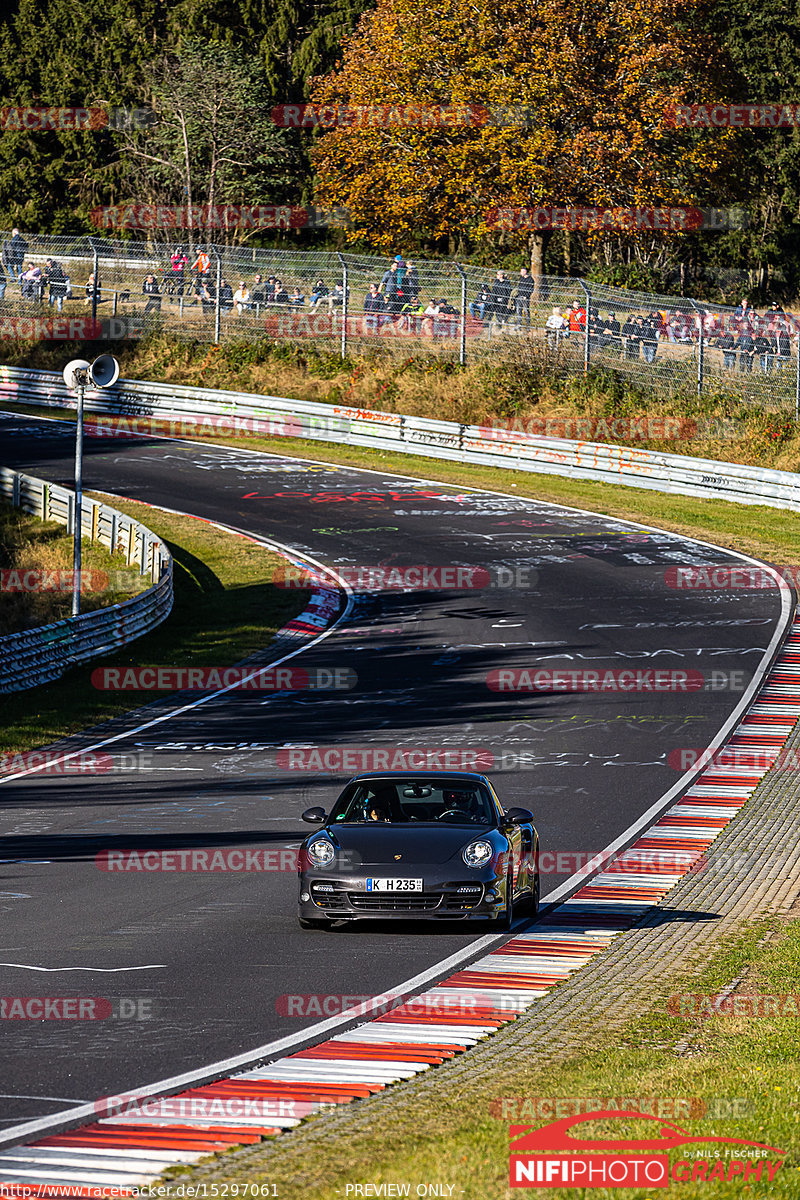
x: 205, y: 958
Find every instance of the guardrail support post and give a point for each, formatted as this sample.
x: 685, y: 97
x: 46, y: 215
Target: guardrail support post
x: 587, y: 351
x: 462, y: 346
x: 343, y: 347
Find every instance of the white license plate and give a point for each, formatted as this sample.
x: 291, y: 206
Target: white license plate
x: 394, y: 885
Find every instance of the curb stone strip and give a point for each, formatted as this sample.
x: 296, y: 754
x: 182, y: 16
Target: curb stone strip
x: 132, y: 1148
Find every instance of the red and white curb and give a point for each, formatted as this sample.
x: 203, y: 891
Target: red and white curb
x: 154, y: 1133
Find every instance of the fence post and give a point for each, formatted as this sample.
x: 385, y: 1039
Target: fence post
x: 462, y: 348
x: 701, y: 350
x: 343, y: 347
x: 587, y: 353
x: 219, y: 282
x: 96, y: 287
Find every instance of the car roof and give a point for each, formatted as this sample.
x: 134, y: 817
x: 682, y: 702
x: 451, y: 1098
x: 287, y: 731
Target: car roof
x: 466, y: 776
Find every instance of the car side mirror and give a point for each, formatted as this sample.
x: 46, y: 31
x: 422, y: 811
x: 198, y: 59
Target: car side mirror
x: 518, y: 816
x: 314, y: 816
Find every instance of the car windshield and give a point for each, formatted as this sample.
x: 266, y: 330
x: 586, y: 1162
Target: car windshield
x: 399, y: 802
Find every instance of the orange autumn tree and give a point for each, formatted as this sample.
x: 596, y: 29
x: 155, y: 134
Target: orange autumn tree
x: 597, y: 77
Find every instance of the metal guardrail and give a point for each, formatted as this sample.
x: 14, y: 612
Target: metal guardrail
x: 143, y: 407
x: 35, y: 656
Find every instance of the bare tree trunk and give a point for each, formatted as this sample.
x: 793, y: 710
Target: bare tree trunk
x: 537, y: 244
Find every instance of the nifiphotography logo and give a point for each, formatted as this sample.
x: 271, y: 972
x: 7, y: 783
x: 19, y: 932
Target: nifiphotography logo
x: 551, y: 1156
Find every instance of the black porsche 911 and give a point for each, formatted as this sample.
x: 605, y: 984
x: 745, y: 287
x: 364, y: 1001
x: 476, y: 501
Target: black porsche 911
x: 408, y: 844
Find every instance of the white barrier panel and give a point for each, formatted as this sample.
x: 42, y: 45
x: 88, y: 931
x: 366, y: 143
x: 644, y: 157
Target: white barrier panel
x: 35, y: 656
x: 350, y: 425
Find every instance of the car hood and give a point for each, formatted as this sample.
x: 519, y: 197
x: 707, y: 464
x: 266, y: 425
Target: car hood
x: 417, y: 845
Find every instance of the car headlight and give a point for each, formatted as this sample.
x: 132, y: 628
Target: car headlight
x: 478, y: 854
x: 321, y: 852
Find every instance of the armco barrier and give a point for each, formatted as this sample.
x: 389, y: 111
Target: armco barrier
x: 36, y: 656
x: 682, y: 474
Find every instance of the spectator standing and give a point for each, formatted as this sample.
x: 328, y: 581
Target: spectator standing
x: 727, y: 344
x: 269, y: 290
x: 58, y: 284
x: 202, y: 263
x: 501, y: 299
x: 764, y: 347
x: 742, y: 314
x: 257, y: 294
x: 783, y: 346
x: 630, y: 337
x: 374, y: 307
x: 747, y: 348
x: 90, y: 290
x: 577, y: 317
x: 392, y: 289
x: 411, y: 285
x: 649, y: 336
x: 14, y: 253
x: 522, y: 303
x: 151, y: 289
x: 178, y: 262
x: 611, y: 332
x: 3, y: 281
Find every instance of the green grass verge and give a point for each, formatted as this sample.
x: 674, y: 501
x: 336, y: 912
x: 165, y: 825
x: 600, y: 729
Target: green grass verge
x: 226, y: 608
x: 38, y: 558
x: 460, y: 1135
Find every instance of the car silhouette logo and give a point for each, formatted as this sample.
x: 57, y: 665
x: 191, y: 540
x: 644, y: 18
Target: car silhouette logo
x: 555, y: 1136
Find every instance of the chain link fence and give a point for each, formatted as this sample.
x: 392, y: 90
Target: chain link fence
x: 79, y: 287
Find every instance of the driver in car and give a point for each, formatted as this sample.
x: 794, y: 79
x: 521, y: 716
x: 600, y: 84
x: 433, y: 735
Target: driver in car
x: 379, y: 807
x: 463, y: 803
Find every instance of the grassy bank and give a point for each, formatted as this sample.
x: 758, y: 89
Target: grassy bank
x: 226, y: 608
x: 36, y: 561
x: 746, y: 1069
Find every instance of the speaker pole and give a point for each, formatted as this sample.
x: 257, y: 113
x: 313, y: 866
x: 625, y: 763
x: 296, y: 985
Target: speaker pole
x: 76, y: 538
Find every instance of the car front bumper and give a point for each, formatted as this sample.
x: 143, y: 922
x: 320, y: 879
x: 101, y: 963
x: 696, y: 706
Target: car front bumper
x: 330, y: 898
